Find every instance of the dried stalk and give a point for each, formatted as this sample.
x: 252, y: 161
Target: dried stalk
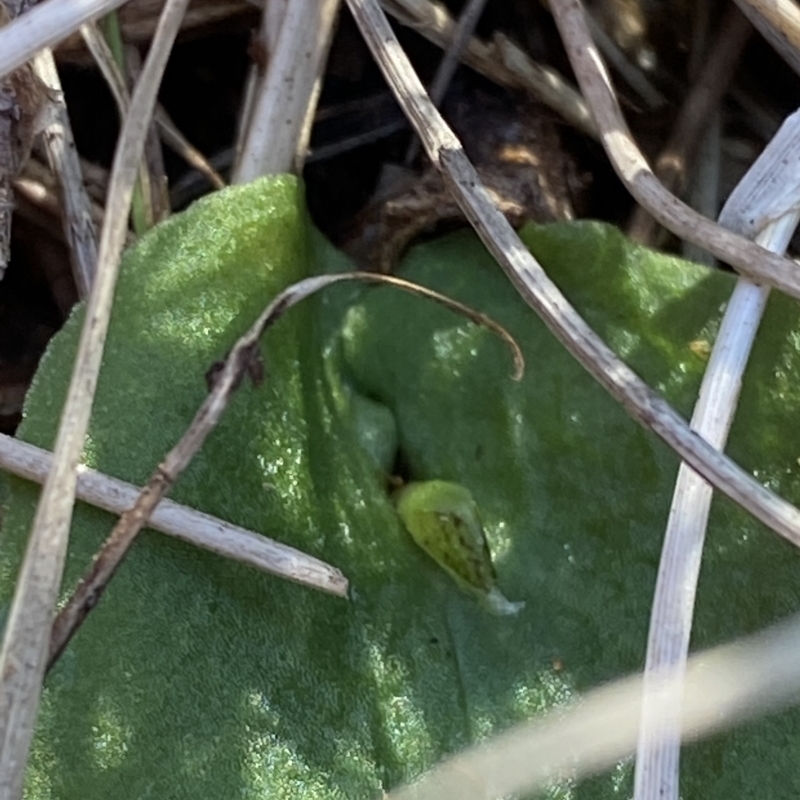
x: 630, y: 164
x: 172, y: 136
x: 143, y: 214
x: 647, y: 407
x: 225, y: 378
x: 26, y: 636
x: 658, y: 756
x: 155, y: 192
x: 179, y: 144
x: 262, y: 46
x: 76, y: 209
x: 194, y: 527
x: 778, y: 21
x: 45, y: 25
x: 277, y: 133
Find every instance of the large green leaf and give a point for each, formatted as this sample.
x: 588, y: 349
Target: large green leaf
x: 198, y: 677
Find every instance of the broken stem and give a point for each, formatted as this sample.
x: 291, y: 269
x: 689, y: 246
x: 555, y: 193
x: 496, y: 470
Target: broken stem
x: 202, y: 530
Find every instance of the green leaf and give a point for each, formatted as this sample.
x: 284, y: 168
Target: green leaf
x: 200, y: 677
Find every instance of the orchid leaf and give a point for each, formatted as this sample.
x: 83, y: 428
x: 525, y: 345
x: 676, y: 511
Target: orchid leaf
x: 201, y: 677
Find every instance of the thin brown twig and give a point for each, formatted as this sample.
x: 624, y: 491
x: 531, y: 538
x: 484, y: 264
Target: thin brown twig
x: 748, y: 258
x: 674, y: 163
x: 157, y: 184
x: 225, y: 378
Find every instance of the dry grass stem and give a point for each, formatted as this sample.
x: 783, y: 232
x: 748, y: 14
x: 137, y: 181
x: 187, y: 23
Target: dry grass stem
x: 462, y: 33
x: 27, y: 632
x: 264, y: 41
x: 630, y: 164
x: 276, y: 134
x: 45, y: 25
x: 172, y: 136
x: 179, y: 144
x: 76, y: 209
x: 657, y: 764
x: 225, y: 378
x: 675, y: 162
x: 502, y: 61
x: 157, y: 189
x: 104, y: 59
x: 770, y: 190
x: 202, y: 530
x: 647, y: 407
x: 778, y: 21
x: 723, y: 686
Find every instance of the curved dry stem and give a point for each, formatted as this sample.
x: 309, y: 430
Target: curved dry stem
x: 224, y: 378
x: 630, y: 164
x: 294, y: 294
x: 26, y: 635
